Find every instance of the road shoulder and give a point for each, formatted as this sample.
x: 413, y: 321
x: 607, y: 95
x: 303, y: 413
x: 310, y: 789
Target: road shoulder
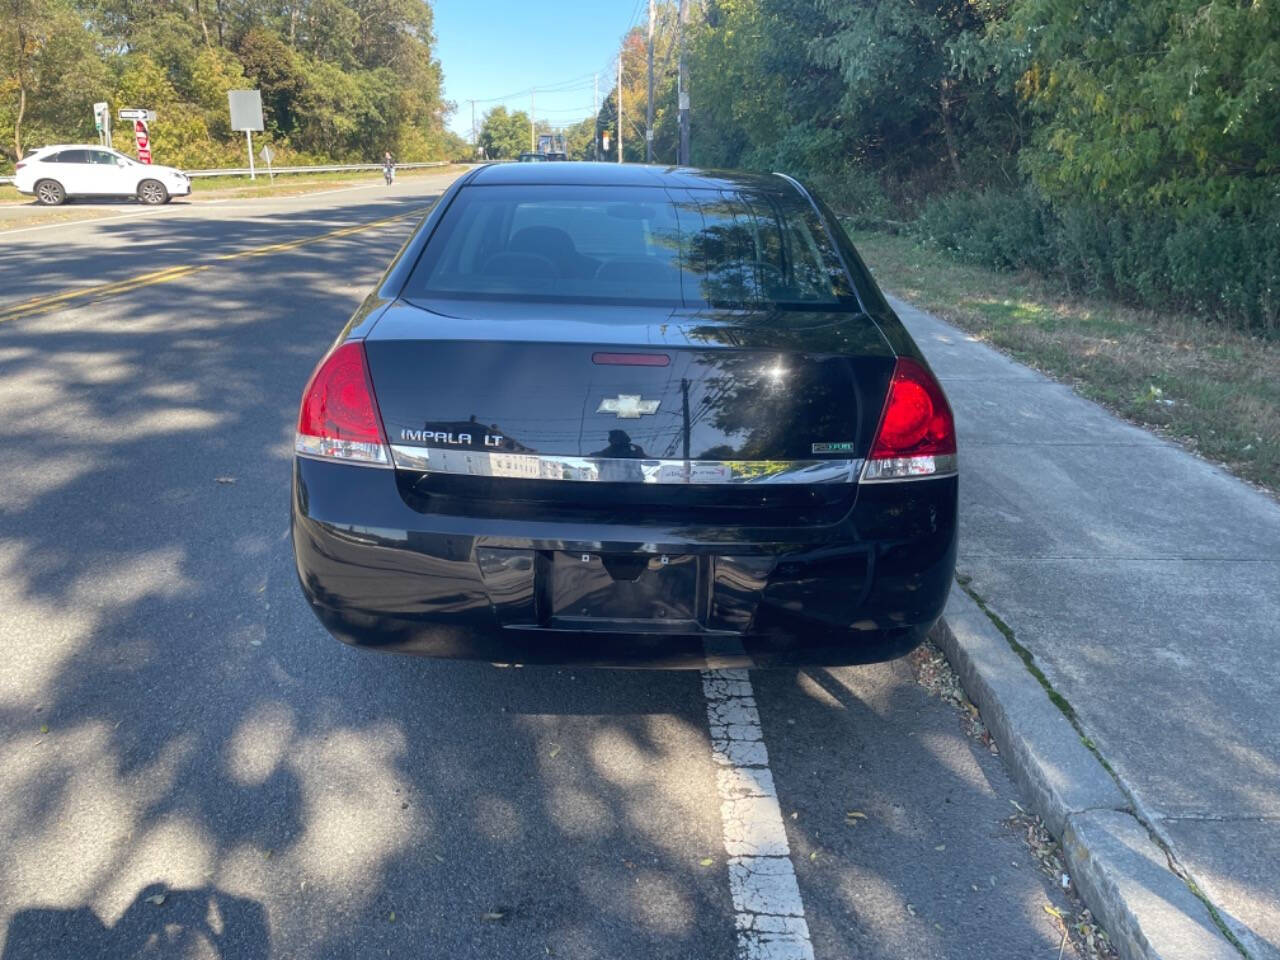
x: 1123, y: 875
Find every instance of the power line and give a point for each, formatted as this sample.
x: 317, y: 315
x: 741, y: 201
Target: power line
x: 561, y: 86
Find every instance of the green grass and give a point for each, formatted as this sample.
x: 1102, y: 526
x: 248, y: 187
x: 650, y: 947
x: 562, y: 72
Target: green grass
x: 1215, y: 390
x: 290, y: 184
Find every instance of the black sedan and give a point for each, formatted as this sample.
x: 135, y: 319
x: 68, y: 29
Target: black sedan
x: 626, y: 415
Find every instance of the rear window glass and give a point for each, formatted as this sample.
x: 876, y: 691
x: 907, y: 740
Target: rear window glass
x: 631, y: 245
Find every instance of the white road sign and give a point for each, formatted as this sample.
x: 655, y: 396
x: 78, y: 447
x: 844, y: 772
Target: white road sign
x: 246, y: 109
x: 132, y: 113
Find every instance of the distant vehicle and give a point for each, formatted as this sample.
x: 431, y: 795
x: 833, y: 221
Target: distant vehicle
x: 556, y: 156
x: 551, y: 143
x: 705, y: 436
x: 534, y: 158
x: 56, y: 173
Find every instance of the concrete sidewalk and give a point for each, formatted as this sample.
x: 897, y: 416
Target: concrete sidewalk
x: 1146, y: 584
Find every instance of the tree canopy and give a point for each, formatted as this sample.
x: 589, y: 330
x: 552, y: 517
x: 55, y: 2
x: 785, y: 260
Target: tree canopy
x: 340, y: 79
x: 1130, y: 145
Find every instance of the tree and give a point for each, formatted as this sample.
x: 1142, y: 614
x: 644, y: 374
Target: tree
x: 579, y: 142
x: 1168, y: 102
x: 340, y: 79
x: 504, y: 135
x: 49, y: 72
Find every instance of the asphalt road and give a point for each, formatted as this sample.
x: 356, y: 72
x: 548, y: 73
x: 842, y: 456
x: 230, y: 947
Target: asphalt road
x: 191, y: 767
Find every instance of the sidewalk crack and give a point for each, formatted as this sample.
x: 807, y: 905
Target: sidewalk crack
x: 1061, y: 702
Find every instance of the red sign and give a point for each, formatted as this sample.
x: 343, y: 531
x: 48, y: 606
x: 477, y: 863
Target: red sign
x: 143, y: 139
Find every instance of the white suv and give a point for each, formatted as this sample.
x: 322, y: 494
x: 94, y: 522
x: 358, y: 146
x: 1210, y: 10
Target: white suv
x: 55, y: 173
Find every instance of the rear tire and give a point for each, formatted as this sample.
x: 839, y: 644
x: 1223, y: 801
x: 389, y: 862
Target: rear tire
x: 152, y: 192
x: 50, y: 193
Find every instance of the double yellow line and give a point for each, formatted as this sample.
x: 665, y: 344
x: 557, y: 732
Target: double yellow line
x: 99, y: 291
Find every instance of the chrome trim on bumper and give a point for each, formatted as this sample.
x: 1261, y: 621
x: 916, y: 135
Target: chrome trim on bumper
x: 532, y: 466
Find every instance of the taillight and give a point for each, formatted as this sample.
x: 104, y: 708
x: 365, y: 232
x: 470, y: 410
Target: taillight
x: 917, y: 434
x: 339, y: 418
x: 18, y: 166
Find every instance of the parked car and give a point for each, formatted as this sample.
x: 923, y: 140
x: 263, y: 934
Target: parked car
x: 621, y: 414
x: 54, y: 174
x: 533, y: 158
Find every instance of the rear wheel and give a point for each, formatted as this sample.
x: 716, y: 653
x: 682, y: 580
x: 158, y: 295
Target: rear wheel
x: 50, y: 193
x: 152, y: 192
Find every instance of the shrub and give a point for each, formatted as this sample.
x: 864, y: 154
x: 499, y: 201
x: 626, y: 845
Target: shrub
x: 1224, y: 266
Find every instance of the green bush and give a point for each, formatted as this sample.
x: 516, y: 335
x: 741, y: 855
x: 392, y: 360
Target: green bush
x: 1224, y: 267
x: 1006, y: 230
x: 855, y: 193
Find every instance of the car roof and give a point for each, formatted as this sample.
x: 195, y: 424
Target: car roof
x: 624, y: 175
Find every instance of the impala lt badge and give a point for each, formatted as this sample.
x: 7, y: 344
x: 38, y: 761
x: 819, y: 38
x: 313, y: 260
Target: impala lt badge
x: 628, y: 406
x: 445, y: 436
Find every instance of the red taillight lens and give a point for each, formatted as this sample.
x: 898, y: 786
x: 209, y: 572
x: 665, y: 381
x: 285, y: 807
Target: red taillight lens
x: 917, y: 434
x: 18, y: 166
x: 339, y: 417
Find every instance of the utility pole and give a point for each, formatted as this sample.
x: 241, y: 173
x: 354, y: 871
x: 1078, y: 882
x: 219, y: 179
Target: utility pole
x: 683, y: 87
x: 648, y: 120
x: 475, y: 136
x: 532, y: 145
x: 620, y: 104
x: 595, y: 112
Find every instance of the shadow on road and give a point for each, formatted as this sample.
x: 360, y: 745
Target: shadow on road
x: 171, y: 710
x: 159, y: 923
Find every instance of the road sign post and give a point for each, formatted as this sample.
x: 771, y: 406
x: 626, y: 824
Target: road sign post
x: 142, y: 137
x: 246, y: 115
x: 102, y: 122
x: 267, y: 154
x: 142, y: 119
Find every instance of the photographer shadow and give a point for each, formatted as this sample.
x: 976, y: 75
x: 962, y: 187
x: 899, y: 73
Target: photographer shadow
x: 198, y: 923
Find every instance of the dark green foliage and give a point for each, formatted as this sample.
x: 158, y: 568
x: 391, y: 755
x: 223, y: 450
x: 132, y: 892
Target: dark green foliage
x: 1124, y: 147
x: 1224, y: 267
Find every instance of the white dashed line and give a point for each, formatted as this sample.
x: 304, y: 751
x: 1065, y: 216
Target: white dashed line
x: 769, y: 914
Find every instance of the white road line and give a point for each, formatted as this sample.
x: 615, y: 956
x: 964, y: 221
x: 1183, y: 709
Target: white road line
x: 769, y: 914
x: 76, y: 222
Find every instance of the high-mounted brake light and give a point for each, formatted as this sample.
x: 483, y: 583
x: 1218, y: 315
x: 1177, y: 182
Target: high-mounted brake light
x: 339, y: 419
x: 631, y: 359
x: 917, y: 433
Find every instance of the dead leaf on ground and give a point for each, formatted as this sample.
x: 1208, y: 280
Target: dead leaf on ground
x: 493, y: 915
x: 156, y: 899
x: 706, y: 861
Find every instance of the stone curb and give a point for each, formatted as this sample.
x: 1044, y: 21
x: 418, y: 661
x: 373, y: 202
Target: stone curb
x: 1122, y: 874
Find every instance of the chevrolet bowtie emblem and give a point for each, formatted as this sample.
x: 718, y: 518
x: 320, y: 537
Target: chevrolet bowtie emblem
x: 628, y: 406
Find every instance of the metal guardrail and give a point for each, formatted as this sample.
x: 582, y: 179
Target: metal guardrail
x: 261, y: 169
x: 318, y: 168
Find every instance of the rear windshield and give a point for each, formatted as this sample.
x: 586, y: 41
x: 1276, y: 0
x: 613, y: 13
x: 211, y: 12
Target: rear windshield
x: 646, y: 245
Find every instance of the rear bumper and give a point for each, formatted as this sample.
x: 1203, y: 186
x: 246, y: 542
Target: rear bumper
x: 380, y: 574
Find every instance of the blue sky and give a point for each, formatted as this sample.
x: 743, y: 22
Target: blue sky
x: 491, y: 48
